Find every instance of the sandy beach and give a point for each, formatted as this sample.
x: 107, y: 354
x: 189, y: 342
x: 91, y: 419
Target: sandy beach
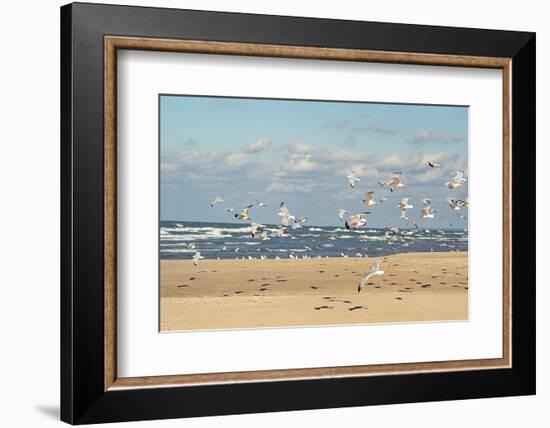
x: 226, y: 294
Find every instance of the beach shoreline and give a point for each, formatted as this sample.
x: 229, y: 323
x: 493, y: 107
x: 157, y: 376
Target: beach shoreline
x: 235, y: 294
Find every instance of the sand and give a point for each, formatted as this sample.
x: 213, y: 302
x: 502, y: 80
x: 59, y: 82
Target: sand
x: 228, y: 294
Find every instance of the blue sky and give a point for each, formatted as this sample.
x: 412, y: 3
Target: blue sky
x: 300, y: 152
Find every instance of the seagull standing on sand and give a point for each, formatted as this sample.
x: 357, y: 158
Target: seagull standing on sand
x: 196, y: 257
x: 373, y: 270
x: 395, y: 181
x: 368, y: 198
x: 285, y: 214
x: 352, y: 178
x: 216, y: 201
x: 243, y: 215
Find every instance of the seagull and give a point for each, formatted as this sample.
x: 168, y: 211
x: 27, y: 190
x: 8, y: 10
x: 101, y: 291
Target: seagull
x: 426, y: 201
x: 285, y: 214
x: 383, y: 199
x: 352, y: 178
x: 457, y: 181
x: 230, y: 210
x: 427, y: 212
x: 356, y: 221
x: 415, y: 224
x: 457, y: 204
x: 447, y: 222
x: 196, y: 257
x: 216, y: 201
x: 368, y: 198
x: 281, y: 231
x: 381, y: 183
x: 341, y: 213
x: 260, y: 204
x: 433, y: 164
x: 395, y: 181
x: 300, y: 220
x: 403, y: 206
x: 255, y: 228
x: 243, y: 215
x: 373, y: 270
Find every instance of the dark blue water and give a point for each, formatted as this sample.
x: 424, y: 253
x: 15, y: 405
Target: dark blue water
x: 181, y: 239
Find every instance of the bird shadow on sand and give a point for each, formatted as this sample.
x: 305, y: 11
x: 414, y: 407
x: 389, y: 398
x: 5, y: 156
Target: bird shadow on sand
x: 51, y: 411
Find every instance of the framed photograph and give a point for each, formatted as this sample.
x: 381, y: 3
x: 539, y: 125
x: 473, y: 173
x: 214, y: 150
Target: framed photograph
x: 265, y: 213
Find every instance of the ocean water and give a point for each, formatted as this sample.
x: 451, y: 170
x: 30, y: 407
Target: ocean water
x: 181, y: 239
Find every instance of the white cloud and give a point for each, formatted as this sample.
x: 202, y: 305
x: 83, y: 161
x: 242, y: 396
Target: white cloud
x: 377, y: 129
x: 235, y: 160
x: 299, y: 147
x: 432, y: 136
x: 301, y: 163
x: 258, y: 146
x: 340, y: 123
x: 168, y: 167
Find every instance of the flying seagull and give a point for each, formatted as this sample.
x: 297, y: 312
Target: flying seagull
x: 395, y: 181
x: 281, y: 231
x: 285, y: 214
x: 426, y: 201
x: 381, y: 183
x: 352, y: 178
x: 368, y: 198
x: 356, y: 221
x: 457, y: 181
x: 300, y: 220
x: 383, y: 199
x: 403, y: 206
x: 216, y: 201
x: 341, y: 213
x: 243, y: 215
x: 230, y: 210
x: 260, y: 204
x: 196, y: 257
x: 256, y: 228
x: 433, y: 164
x: 373, y: 270
x: 264, y: 236
x: 427, y: 212
x: 457, y: 204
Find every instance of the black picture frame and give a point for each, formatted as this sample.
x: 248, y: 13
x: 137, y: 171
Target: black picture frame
x: 83, y: 398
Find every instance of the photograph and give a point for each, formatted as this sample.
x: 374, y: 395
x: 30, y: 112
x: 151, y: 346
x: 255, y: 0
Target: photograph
x: 294, y: 213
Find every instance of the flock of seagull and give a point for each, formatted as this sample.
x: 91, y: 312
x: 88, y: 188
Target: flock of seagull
x: 356, y: 220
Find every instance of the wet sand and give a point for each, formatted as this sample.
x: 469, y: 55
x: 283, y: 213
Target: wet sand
x: 226, y: 294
